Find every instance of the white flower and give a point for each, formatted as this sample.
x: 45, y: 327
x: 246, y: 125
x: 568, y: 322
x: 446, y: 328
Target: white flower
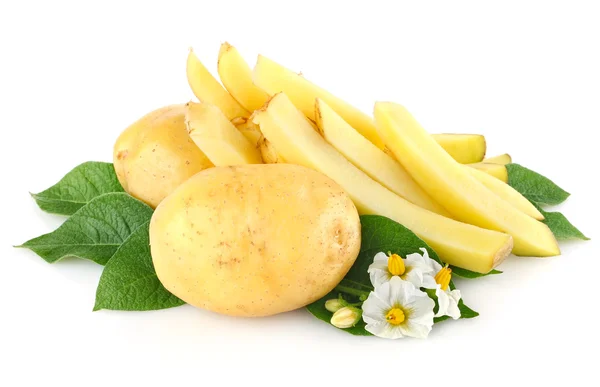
x: 447, y: 298
x: 396, y: 309
x: 412, y: 269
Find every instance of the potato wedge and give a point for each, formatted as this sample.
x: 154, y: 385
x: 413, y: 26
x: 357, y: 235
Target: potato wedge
x: 497, y: 170
x: 217, y: 138
x: 464, y: 148
x: 236, y: 76
x: 457, y: 243
x: 207, y: 89
x: 455, y: 188
x: 501, y: 159
x: 274, y: 78
x: 506, y: 192
x: 370, y: 159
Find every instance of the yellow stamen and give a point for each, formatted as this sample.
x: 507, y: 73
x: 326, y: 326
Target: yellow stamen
x: 395, y: 316
x: 396, y: 265
x: 443, y: 277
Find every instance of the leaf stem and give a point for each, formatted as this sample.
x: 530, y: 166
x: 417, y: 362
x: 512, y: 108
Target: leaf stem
x: 351, y: 290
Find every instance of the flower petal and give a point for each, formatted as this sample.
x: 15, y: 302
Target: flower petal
x: 443, y: 302
x: 428, y: 282
x: 421, y: 308
x: 453, y: 298
x: 416, y: 329
x: 415, y: 277
x: 375, y: 308
x: 381, y: 257
x: 378, y: 277
x: 400, y: 291
x: 385, y: 330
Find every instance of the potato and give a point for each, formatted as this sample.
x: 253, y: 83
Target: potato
x: 254, y: 240
x: 155, y: 155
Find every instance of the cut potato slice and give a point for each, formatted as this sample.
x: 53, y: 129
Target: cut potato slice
x: 217, y: 138
x: 497, y: 170
x: 274, y: 78
x: 464, y: 148
x: 252, y: 132
x: 501, y: 159
x: 207, y: 89
x: 249, y: 129
x: 370, y: 159
x: 455, y: 188
x: 506, y: 192
x: 236, y: 76
x: 457, y: 243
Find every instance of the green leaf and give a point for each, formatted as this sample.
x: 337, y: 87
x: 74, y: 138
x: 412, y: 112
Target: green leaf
x: 471, y: 274
x: 318, y: 310
x: 78, y: 187
x: 379, y: 234
x: 129, y: 281
x: 465, y: 311
x: 561, y: 227
x: 95, y: 231
x: 535, y: 187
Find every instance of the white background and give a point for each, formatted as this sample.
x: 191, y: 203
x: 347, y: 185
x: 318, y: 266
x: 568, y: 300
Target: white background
x: 525, y: 74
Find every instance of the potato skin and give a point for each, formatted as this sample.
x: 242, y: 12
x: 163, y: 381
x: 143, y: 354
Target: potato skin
x: 154, y: 155
x: 254, y: 240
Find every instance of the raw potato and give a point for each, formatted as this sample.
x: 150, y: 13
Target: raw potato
x: 274, y: 78
x: 451, y: 185
x: 464, y: 148
x: 207, y: 89
x: 497, y: 170
x: 507, y: 193
x: 155, y: 155
x: 254, y: 240
x: 456, y: 243
x: 501, y: 159
x: 236, y: 76
x: 218, y: 138
x: 370, y: 159
x: 252, y: 132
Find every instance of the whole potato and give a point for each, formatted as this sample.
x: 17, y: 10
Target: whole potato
x: 155, y: 155
x: 254, y: 240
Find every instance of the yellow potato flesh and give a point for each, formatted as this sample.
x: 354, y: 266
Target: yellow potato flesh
x: 217, y: 138
x: 207, y: 89
x: 501, y: 159
x: 464, y: 148
x: 155, y: 155
x: 455, y: 188
x: 496, y: 170
x: 274, y: 78
x: 254, y: 240
x: 236, y: 76
x: 370, y: 159
x: 507, y: 193
x: 457, y: 243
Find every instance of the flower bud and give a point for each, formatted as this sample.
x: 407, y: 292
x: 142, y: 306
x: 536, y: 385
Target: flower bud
x: 346, y: 317
x: 334, y: 305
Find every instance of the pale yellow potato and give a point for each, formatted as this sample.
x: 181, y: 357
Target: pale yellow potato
x: 464, y: 148
x: 154, y: 155
x: 451, y: 185
x: 217, y: 137
x: 456, y: 243
x: 207, y: 89
x: 254, y: 240
x: 500, y: 159
x: 499, y: 171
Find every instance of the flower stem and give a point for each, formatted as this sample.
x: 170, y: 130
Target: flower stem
x: 351, y: 290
